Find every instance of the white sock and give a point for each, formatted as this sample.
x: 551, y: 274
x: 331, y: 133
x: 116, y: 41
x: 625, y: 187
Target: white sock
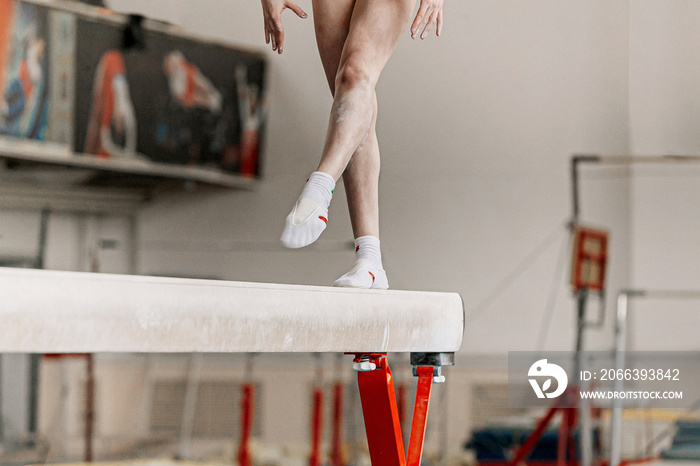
x: 367, y: 271
x: 309, y: 216
x: 367, y: 248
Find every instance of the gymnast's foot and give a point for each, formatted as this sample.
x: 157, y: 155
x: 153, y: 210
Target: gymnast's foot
x: 309, y: 216
x: 367, y: 271
x: 364, y: 275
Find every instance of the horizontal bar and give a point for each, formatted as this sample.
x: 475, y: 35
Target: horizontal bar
x: 634, y: 159
x: 662, y: 294
x: 71, y: 312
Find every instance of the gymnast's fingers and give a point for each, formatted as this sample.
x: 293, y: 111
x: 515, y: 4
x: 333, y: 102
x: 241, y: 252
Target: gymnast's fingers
x: 296, y: 9
x: 277, y: 32
x: 431, y: 22
x: 280, y: 37
x: 273, y: 37
x: 419, y: 20
x: 438, y: 31
x: 269, y: 37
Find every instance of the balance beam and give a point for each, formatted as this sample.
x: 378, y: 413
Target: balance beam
x: 70, y: 312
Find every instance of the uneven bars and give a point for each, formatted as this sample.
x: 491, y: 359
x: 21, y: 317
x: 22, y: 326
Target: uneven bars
x: 601, y: 159
x: 70, y: 312
x: 662, y: 294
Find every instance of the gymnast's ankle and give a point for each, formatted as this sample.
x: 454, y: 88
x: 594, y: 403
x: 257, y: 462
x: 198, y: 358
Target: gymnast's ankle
x: 309, y: 216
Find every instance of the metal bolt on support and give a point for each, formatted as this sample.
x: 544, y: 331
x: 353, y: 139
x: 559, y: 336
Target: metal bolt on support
x: 364, y: 364
x: 437, y: 373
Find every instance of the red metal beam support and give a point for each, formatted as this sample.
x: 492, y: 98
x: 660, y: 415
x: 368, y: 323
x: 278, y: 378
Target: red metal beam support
x: 337, y: 441
x: 381, y: 414
x: 247, y: 410
x: 420, y: 414
x: 316, y: 427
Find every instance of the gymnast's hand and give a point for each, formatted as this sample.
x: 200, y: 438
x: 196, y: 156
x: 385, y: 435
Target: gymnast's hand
x: 272, y: 15
x: 429, y: 15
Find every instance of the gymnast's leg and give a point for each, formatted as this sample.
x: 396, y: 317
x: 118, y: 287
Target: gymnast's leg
x: 361, y: 180
x: 361, y: 176
x: 352, y: 69
x: 310, y: 213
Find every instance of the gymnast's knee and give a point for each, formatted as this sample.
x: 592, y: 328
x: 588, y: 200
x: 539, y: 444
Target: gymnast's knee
x: 353, y: 74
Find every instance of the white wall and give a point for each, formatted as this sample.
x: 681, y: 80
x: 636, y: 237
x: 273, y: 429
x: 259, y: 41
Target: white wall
x: 665, y: 119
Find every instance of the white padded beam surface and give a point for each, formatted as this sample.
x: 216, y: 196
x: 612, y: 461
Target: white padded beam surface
x: 59, y: 312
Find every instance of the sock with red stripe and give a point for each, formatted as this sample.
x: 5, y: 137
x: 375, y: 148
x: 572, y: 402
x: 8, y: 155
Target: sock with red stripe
x: 309, y: 216
x: 367, y: 271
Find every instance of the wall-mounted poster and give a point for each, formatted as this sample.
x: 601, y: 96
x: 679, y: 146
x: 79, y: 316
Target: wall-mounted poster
x: 174, y: 106
x: 176, y: 101
x: 25, y: 81
x: 36, y: 72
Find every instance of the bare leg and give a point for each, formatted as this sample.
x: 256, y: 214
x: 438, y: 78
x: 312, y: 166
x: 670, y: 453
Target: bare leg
x: 332, y: 25
x: 355, y: 44
x: 355, y: 41
x: 374, y: 31
x: 361, y: 180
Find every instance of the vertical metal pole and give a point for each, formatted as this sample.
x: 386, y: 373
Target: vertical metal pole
x: 317, y: 413
x: 35, y: 359
x: 575, y: 198
x: 581, y: 299
x: 336, y: 458
x: 586, y: 438
x: 585, y: 425
x: 337, y: 439
x: 443, y: 424
x: 247, y: 412
x: 43, y: 235
x: 354, y: 425
x: 147, y: 394
x: 243, y: 455
x: 574, y: 189
x: 32, y: 424
x: 133, y: 245
x: 316, y: 426
x: 89, y: 407
x: 620, y: 342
